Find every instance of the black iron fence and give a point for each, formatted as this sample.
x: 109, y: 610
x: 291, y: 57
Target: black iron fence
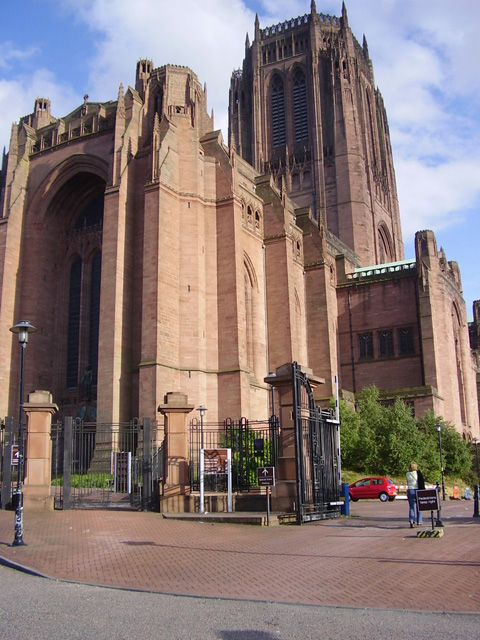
x: 9, y: 450
x: 106, y: 465
x: 253, y: 443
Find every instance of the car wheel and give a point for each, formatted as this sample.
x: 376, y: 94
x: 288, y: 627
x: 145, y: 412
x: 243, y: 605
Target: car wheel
x: 383, y: 496
x: 391, y: 498
x: 353, y: 499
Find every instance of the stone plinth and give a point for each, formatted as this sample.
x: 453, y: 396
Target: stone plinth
x: 38, y: 460
x: 177, y: 445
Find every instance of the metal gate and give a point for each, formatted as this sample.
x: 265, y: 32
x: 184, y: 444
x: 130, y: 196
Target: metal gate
x: 106, y: 465
x: 316, y: 452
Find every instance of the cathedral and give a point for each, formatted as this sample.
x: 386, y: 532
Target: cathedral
x: 154, y: 257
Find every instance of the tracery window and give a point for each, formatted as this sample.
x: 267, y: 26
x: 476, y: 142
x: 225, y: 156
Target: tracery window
x: 385, y: 343
x: 365, y: 345
x: 84, y: 280
x: 405, y: 341
x: 278, y: 112
x: 300, y: 113
x: 73, y: 333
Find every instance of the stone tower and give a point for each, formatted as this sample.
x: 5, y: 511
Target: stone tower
x: 305, y: 108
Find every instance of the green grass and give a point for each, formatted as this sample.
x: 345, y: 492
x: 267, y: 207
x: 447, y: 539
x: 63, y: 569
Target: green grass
x: 87, y: 481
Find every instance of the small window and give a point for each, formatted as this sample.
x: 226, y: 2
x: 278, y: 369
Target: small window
x: 365, y: 345
x: 385, y: 343
x: 405, y: 341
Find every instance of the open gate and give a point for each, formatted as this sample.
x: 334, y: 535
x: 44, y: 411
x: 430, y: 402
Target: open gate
x: 106, y: 465
x: 316, y: 449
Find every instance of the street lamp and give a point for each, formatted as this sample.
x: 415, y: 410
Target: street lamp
x: 272, y: 394
x: 202, y: 410
x: 475, y: 441
x: 22, y: 329
x: 439, y: 429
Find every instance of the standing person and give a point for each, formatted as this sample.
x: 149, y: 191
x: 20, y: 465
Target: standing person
x: 414, y: 482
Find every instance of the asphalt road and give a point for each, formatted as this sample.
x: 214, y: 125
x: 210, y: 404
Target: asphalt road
x: 34, y: 608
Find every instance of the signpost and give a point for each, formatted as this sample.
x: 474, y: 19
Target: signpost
x: 427, y: 500
x: 266, y: 478
x: 214, y: 462
x: 15, y: 454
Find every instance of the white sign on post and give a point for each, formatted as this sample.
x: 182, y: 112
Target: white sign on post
x: 216, y: 461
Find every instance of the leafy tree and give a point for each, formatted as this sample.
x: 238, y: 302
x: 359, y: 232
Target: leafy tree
x: 349, y: 435
x: 401, y: 439
x: 370, y: 441
x: 384, y: 440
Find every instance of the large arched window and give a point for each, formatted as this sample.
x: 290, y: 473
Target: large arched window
x: 95, y: 278
x: 278, y: 112
x: 73, y: 338
x: 300, y: 112
x: 83, y: 311
x: 385, y: 253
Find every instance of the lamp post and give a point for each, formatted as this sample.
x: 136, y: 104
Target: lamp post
x: 202, y: 410
x: 475, y: 441
x: 22, y: 329
x: 439, y: 430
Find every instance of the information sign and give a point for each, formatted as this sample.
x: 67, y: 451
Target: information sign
x: 215, y: 460
x: 266, y: 476
x: 15, y: 454
x: 427, y: 500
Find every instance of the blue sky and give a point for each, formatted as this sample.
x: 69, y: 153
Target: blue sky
x: 425, y: 55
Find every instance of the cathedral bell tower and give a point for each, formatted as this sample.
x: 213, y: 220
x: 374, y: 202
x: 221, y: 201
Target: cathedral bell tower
x: 305, y: 109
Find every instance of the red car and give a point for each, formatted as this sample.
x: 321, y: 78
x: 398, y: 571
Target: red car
x: 373, y: 487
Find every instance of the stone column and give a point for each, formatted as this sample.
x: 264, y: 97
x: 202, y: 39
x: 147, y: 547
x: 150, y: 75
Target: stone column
x: 177, y: 446
x: 38, y: 465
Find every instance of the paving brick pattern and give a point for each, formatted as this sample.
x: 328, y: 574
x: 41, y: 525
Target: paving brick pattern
x: 369, y: 559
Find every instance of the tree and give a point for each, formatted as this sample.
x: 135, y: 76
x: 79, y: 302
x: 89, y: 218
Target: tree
x: 349, y: 435
x: 385, y: 439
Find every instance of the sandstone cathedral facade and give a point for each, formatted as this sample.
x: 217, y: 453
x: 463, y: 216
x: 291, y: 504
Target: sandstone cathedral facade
x: 155, y: 258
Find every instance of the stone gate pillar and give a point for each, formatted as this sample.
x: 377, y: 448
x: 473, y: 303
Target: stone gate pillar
x: 177, y: 446
x: 38, y: 459
x: 284, y: 494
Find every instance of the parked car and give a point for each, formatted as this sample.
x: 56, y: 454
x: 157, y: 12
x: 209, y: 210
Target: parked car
x: 373, y: 487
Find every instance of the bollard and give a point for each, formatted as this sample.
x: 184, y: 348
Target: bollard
x: 476, y: 499
x: 345, y: 508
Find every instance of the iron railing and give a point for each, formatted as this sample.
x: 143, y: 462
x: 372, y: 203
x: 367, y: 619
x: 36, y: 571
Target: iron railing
x: 253, y: 443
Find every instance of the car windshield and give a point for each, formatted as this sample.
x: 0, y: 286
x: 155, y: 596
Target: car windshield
x: 390, y: 481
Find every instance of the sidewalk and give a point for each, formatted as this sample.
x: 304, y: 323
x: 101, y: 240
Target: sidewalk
x: 371, y: 559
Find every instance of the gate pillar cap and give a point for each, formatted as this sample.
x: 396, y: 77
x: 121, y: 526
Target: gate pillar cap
x: 38, y: 400
x: 175, y: 401
x: 284, y: 374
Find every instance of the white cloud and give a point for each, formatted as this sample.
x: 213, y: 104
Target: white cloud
x: 436, y: 197
x: 207, y: 36
x: 17, y: 98
x: 10, y: 53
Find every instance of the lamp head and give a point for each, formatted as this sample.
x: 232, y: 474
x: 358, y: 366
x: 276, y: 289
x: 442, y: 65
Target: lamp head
x: 23, y: 328
x: 202, y: 410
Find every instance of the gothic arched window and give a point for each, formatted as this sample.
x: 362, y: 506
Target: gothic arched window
x: 83, y: 283
x: 300, y: 113
x: 278, y: 112
x: 73, y: 338
x: 95, y: 277
x: 385, y: 253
